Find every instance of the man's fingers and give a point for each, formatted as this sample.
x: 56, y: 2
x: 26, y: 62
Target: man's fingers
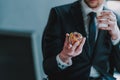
x: 66, y: 40
x: 106, y: 28
x: 69, y: 46
x: 75, y: 45
x: 83, y: 42
x: 109, y: 15
x: 110, y: 18
x: 79, y: 49
x: 109, y: 27
x: 103, y: 21
x: 67, y: 37
x: 107, y: 12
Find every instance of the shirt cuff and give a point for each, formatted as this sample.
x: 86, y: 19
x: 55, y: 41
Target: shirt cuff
x: 61, y: 64
x: 115, y: 42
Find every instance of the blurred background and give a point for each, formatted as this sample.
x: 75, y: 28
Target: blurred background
x: 21, y: 26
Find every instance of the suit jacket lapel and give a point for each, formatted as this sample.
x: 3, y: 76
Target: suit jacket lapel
x: 78, y: 21
x: 76, y: 12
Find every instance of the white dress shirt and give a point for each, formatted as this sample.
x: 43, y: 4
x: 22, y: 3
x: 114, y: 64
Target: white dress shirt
x: 86, y: 10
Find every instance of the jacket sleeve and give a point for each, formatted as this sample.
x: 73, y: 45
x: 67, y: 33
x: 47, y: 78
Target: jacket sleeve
x: 116, y: 50
x: 52, y: 43
x: 117, y: 56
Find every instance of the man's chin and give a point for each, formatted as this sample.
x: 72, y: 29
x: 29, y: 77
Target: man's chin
x: 93, y: 6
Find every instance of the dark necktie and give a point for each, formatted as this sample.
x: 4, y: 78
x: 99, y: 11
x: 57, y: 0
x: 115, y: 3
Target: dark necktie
x: 92, y: 31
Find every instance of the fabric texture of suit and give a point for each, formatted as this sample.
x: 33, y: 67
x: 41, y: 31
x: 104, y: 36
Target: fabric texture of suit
x: 68, y: 18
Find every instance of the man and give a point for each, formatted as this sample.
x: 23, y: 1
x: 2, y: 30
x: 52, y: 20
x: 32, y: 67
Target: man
x: 91, y: 60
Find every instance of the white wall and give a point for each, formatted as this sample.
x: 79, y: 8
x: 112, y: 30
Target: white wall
x: 26, y: 14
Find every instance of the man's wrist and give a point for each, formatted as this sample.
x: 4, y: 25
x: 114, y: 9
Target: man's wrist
x: 115, y: 36
x: 64, y: 58
x: 61, y: 64
x: 115, y: 40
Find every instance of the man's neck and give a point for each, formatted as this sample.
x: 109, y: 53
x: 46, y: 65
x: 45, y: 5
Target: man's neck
x: 86, y: 9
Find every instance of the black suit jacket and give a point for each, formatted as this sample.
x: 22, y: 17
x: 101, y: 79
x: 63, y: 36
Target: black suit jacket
x: 65, y: 19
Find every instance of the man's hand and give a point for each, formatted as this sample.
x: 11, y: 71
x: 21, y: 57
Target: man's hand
x: 112, y: 24
x: 70, y: 50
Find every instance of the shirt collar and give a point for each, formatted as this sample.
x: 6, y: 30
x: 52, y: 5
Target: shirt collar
x: 87, y: 10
